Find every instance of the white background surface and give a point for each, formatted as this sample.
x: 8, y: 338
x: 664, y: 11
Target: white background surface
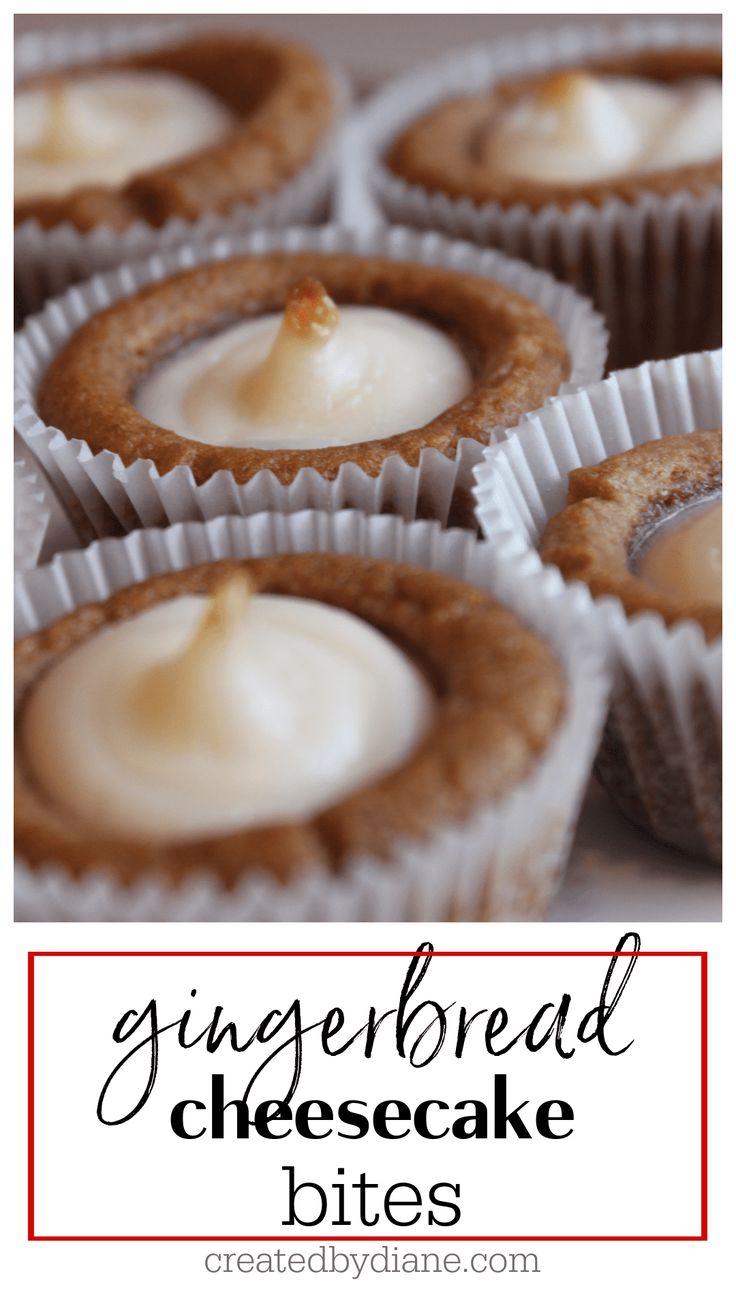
x: 639, y: 1104
x: 571, y: 1273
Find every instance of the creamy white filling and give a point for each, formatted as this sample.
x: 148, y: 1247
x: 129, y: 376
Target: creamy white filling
x: 684, y: 557
x: 581, y: 127
x: 314, y: 377
x: 102, y: 128
x: 203, y: 716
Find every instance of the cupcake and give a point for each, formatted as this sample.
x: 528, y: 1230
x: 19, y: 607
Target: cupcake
x: 141, y: 143
x: 315, y: 368
x: 599, y: 489
x: 599, y: 159
x: 305, y: 729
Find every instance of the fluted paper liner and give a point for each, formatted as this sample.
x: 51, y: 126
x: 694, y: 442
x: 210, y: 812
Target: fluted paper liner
x: 49, y: 260
x: 660, y: 759
x: 31, y: 514
x: 104, y: 496
x: 653, y: 268
x: 502, y: 864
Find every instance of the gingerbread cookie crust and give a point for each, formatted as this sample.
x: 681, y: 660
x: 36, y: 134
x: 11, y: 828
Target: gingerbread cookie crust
x: 283, y: 99
x: 612, y: 505
x: 499, y: 697
x: 439, y: 150
x: 515, y: 352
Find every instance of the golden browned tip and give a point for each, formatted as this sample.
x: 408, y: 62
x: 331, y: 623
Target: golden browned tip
x: 310, y: 312
x: 179, y: 700
x: 559, y: 87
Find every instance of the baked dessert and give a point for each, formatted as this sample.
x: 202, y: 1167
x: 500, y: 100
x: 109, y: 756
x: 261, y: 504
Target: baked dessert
x: 639, y: 545
x: 374, y: 357
x: 648, y: 120
x: 645, y: 526
x: 285, y: 713
x: 597, y: 159
x: 176, y: 132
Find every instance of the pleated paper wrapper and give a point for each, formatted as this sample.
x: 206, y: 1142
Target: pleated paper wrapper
x: 504, y: 863
x: 31, y: 514
x: 661, y: 754
x: 104, y: 497
x: 653, y: 267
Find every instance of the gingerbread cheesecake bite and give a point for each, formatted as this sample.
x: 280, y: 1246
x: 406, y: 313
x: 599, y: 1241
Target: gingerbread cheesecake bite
x: 314, y: 368
x: 597, y: 157
x: 596, y: 490
x: 131, y: 141
x: 275, y: 716
x: 285, y: 362
x: 179, y: 131
x: 608, y: 129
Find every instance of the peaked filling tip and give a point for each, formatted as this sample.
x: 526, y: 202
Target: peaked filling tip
x: 181, y: 700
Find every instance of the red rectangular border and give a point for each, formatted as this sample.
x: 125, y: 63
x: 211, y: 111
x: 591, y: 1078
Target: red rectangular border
x: 358, y: 953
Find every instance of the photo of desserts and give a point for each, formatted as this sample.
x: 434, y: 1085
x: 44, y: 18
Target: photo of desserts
x: 368, y: 468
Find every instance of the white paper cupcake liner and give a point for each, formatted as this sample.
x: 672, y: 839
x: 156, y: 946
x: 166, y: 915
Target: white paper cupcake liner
x: 47, y: 261
x: 502, y: 864
x: 104, y: 496
x: 653, y: 268
x: 31, y: 514
x: 663, y: 735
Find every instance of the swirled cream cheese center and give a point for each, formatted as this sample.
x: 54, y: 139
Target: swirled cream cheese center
x: 102, y: 128
x: 205, y: 715
x: 581, y: 127
x: 314, y: 376
x: 684, y: 558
